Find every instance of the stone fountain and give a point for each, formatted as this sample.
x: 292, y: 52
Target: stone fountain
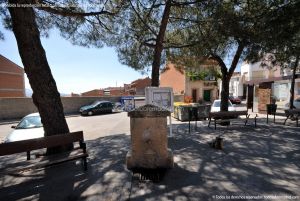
x: 149, y: 141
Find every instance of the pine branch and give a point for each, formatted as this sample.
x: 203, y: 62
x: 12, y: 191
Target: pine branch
x: 220, y: 61
x: 236, y: 58
x: 65, y: 12
x: 178, y: 46
x: 174, y: 3
x: 142, y: 20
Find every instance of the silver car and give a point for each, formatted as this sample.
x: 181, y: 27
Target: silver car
x: 29, y: 127
x: 296, y: 104
x: 215, y: 107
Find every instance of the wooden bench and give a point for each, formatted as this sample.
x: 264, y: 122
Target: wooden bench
x: 226, y: 116
x: 26, y: 146
x: 292, y: 113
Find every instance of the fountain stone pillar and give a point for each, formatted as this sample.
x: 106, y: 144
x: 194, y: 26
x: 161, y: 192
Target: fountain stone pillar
x: 149, y: 140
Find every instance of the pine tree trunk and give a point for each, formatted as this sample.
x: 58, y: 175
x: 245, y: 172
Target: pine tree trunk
x: 45, y: 94
x: 227, y: 74
x: 159, y: 45
x: 292, y: 90
x: 224, y: 93
x: 225, y: 83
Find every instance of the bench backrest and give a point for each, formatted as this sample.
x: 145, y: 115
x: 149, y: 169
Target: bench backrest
x: 227, y: 113
x: 39, y: 143
x: 292, y: 111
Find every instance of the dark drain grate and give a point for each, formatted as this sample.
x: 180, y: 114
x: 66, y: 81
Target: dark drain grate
x: 154, y: 175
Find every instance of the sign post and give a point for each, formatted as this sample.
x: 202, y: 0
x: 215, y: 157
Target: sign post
x: 163, y: 98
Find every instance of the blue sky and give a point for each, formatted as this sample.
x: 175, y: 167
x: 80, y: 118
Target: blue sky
x: 75, y: 69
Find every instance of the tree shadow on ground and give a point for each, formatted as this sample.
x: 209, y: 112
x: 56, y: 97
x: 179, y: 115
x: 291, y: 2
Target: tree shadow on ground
x: 255, y: 161
x: 106, y: 178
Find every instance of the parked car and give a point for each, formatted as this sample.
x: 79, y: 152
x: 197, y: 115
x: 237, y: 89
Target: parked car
x: 29, y: 127
x: 296, y: 104
x: 97, y: 107
x: 117, y: 107
x: 215, y: 107
x: 235, y: 100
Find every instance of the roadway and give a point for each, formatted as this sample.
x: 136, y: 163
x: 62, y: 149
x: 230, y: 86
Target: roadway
x: 92, y: 126
x: 96, y: 126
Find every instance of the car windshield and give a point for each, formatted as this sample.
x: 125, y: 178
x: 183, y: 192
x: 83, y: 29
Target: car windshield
x: 95, y: 103
x: 30, y: 122
x: 218, y: 103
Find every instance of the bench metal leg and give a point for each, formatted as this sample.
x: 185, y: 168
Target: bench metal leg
x: 247, y: 117
x: 209, y: 122
x: 255, y: 120
x: 285, y: 120
x: 84, y: 161
x: 215, y: 124
x: 28, y: 155
x: 189, y: 126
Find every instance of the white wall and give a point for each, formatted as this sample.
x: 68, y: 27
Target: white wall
x: 236, y: 86
x: 199, y: 86
x: 249, y: 68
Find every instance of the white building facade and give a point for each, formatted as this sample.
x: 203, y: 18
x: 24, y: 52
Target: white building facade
x: 278, y: 81
x: 236, y: 85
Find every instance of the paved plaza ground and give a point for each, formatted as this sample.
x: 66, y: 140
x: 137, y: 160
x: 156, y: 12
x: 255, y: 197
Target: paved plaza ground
x: 261, y: 161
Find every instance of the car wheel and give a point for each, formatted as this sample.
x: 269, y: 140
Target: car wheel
x: 90, y: 113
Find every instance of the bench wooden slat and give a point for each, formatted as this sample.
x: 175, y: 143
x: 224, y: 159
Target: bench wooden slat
x: 37, y: 156
x: 292, y: 111
x: 43, y: 161
x: 39, y: 143
x: 227, y: 113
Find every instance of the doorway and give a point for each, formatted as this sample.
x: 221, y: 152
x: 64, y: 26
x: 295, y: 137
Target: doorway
x: 194, y: 95
x: 206, y: 95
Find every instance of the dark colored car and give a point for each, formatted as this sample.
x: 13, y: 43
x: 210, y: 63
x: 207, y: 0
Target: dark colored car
x: 235, y: 100
x: 97, y: 107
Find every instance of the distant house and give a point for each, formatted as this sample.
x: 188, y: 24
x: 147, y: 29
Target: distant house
x: 12, y: 82
x: 263, y: 85
x: 199, y: 82
x: 109, y: 91
x: 173, y: 77
x: 137, y: 87
x: 95, y: 92
x: 113, y: 91
x: 236, y: 86
x: 75, y: 95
